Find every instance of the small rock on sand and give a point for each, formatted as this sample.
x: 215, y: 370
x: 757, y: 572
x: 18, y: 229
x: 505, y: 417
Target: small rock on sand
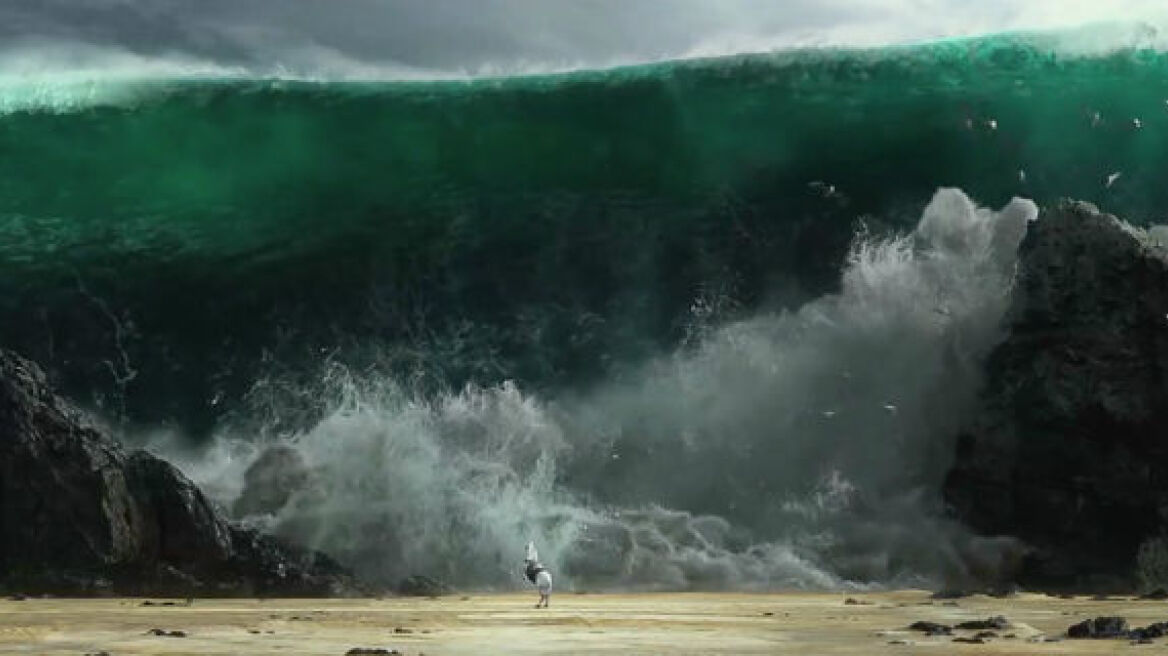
x: 997, y: 623
x: 1100, y: 627
x: 931, y: 628
x: 1150, y: 632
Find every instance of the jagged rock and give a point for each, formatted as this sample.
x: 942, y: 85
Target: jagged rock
x: 270, y: 481
x: 80, y: 515
x: 1068, y: 452
x: 1099, y: 627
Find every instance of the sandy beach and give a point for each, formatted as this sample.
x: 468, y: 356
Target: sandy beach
x: 576, y: 623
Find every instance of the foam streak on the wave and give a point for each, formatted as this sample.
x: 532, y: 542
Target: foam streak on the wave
x: 788, y: 450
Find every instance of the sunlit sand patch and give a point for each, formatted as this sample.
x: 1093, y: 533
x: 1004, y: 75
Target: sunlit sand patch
x: 796, y: 623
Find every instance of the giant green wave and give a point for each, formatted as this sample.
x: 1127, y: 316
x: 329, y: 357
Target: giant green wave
x: 165, y: 240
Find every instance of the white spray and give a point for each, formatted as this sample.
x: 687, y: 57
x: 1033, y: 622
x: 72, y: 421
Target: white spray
x: 796, y: 449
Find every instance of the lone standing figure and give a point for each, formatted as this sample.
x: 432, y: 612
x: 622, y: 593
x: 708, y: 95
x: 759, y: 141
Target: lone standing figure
x: 539, y: 576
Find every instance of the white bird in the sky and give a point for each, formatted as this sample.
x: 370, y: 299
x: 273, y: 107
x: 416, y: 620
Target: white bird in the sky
x: 828, y: 414
x: 823, y: 188
x: 890, y: 408
x: 1022, y: 176
x: 1111, y: 178
x: 1137, y: 123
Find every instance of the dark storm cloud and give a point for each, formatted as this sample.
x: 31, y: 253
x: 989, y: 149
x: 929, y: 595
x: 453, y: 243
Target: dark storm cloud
x: 482, y: 35
x: 431, y: 34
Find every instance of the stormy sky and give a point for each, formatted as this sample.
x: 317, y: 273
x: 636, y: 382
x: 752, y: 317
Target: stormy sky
x: 484, y: 36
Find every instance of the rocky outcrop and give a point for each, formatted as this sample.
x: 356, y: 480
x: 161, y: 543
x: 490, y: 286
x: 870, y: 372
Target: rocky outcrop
x: 1070, y: 451
x: 80, y: 515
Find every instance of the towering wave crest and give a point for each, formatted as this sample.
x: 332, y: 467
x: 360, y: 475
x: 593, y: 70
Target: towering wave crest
x: 64, y: 77
x: 797, y: 449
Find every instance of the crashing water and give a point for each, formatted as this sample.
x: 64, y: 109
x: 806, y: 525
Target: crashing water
x: 603, y: 310
x: 791, y: 450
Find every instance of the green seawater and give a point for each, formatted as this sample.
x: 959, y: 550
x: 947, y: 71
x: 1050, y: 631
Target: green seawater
x: 165, y: 244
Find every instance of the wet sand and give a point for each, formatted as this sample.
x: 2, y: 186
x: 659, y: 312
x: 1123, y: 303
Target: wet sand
x: 609, y: 624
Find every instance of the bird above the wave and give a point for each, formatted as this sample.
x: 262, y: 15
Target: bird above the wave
x: 827, y: 190
x: 828, y: 414
x: 890, y: 408
x: 1112, y: 178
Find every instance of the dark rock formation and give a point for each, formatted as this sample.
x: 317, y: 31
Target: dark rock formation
x: 79, y: 515
x: 1070, y: 451
x: 1099, y: 628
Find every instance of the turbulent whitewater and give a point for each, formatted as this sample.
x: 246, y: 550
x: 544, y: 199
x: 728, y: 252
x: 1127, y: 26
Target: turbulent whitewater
x: 693, y: 324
